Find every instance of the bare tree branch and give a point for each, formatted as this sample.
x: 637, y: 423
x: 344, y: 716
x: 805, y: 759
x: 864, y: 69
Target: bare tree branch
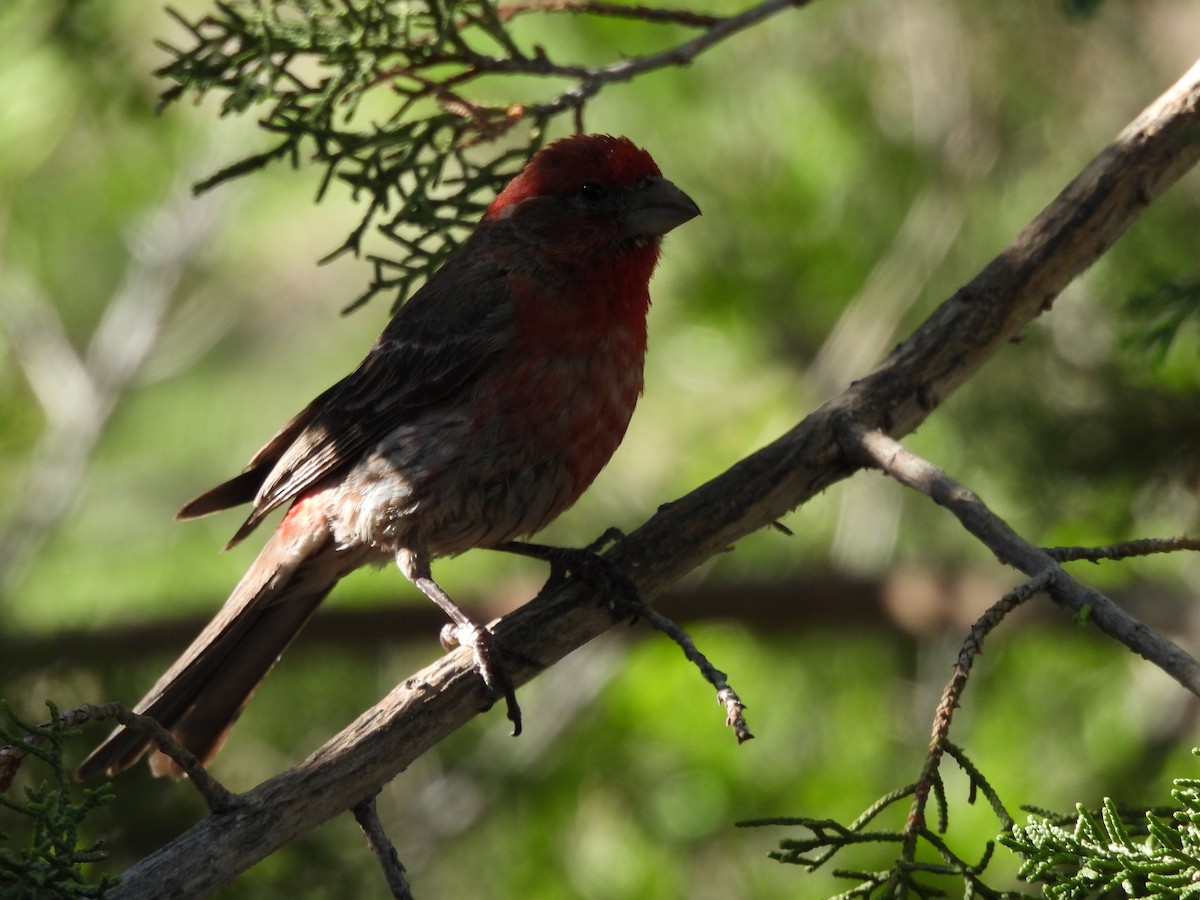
x: 962, y: 334
x: 1046, y: 574
x: 1010, y: 548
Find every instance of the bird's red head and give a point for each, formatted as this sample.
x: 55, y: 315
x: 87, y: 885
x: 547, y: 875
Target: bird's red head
x: 592, y: 195
x: 562, y: 167
x: 586, y: 216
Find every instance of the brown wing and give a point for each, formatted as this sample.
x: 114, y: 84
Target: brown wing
x: 435, y: 346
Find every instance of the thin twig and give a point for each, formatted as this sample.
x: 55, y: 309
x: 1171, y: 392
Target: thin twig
x: 591, y: 80
x: 726, y: 695
x: 218, y: 798
x: 472, y: 66
x: 1124, y: 550
x: 366, y: 813
x: 656, y: 15
x: 952, y: 694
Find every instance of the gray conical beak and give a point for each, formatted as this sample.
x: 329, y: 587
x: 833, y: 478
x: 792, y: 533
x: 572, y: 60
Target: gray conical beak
x: 656, y: 207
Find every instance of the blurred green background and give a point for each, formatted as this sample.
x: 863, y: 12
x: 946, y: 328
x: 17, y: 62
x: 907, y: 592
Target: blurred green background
x: 855, y: 162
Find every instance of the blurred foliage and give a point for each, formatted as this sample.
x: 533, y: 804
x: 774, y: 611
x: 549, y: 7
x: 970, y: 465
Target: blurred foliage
x: 1167, y: 310
x: 1080, y: 7
x: 855, y: 161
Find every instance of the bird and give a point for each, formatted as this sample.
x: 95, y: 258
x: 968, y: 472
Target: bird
x: 489, y: 403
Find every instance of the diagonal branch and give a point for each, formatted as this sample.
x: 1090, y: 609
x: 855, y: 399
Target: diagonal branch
x: 962, y: 334
x: 1010, y: 548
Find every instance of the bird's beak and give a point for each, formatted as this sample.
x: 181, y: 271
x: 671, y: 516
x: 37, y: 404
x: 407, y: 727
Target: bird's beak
x: 657, y: 206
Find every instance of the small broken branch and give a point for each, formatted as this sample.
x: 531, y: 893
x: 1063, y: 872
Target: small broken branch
x: 366, y: 813
x: 726, y: 695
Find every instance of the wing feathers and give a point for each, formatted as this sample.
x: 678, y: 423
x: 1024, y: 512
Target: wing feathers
x: 419, y: 360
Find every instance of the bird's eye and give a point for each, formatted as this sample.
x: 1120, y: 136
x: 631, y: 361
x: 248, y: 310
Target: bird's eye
x: 591, y: 192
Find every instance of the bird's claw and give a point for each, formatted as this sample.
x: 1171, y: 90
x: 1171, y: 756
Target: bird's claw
x: 612, y: 535
x: 622, y: 595
x: 482, y: 644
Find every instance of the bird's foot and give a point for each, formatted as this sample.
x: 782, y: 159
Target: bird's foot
x: 482, y: 644
x: 620, y: 593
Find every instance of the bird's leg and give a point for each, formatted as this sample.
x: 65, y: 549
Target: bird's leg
x: 463, y: 631
x: 587, y: 563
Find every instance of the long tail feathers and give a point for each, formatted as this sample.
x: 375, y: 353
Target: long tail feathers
x: 200, y: 697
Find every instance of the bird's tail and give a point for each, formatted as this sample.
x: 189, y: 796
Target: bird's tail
x: 201, y: 695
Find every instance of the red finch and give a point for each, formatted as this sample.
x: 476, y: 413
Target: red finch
x: 490, y: 402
